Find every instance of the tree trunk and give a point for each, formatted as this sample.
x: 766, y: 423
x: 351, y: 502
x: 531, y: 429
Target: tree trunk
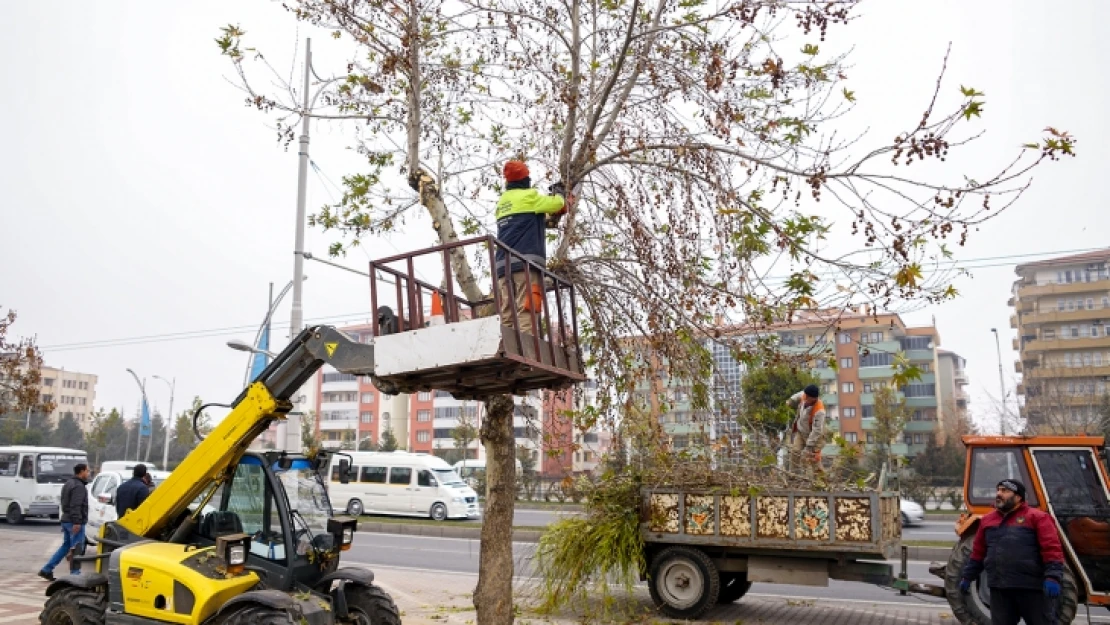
x: 493, y: 597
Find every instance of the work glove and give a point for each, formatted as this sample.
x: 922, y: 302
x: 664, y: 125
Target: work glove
x: 965, y: 586
x: 1051, y: 587
x: 558, y: 189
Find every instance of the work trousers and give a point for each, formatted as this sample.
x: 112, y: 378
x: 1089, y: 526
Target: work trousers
x: 523, y: 296
x: 1011, y: 605
x: 799, y: 463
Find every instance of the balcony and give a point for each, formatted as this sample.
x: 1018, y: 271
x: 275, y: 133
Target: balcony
x: 876, y: 373
x: 919, y: 355
x: 1016, y: 345
x: 1063, y: 289
x: 339, y: 424
x: 1018, y: 366
x: 1045, y: 345
x: 920, y: 426
x: 921, y: 402
x: 1013, y: 322
x: 1041, y: 373
x: 1020, y: 389
x: 1056, y: 400
x: 960, y: 378
x: 1055, y: 315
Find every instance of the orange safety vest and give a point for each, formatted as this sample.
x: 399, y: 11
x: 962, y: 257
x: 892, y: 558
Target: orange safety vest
x: 814, y: 409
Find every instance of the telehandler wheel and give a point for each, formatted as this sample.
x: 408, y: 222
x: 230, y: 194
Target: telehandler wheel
x: 684, y: 582
x: 75, y: 606
x: 733, y: 587
x: 370, y: 605
x: 974, y: 607
x: 256, y: 614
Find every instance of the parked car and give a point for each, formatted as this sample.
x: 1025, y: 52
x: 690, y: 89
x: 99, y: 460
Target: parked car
x: 912, y: 512
x: 102, y: 497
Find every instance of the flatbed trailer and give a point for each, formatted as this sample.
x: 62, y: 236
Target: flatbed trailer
x: 705, y: 547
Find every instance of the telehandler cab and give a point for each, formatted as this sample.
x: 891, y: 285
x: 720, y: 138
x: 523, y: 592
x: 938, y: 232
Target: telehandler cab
x: 1066, y: 476
x: 269, y: 552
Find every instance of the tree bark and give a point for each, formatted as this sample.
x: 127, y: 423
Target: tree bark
x: 493, y: 597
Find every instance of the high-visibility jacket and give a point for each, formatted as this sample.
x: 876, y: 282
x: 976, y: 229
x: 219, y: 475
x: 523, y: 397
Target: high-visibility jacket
x: 520, y: 225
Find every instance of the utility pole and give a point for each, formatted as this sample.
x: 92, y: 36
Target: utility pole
x: 1001, y: 382
x: 166, y: 425
x: 297, y: 320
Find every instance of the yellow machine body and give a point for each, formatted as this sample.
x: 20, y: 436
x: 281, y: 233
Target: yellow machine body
x: 172, y: 583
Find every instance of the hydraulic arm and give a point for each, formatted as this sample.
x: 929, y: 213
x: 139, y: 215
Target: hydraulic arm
x: 260, y: 404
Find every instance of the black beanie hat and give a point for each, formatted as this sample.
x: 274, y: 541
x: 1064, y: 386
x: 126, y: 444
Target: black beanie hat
x: 1013, y: 485
x: 812, y: 390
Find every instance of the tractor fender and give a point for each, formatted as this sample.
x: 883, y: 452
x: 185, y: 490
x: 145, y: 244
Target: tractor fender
x: 967, y: 522
x: 92, y: 580
x: 364, y: 577
x: 270, y: 598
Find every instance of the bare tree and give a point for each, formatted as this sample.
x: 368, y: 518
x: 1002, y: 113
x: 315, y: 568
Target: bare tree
x: 705, y: 148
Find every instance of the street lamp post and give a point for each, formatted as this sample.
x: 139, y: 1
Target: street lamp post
x: 145, y: 407
x: 166, y: 424
x: 1001, y: 382
x: 266, y: 323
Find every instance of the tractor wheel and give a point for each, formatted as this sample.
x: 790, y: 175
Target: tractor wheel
x: 974, y: 607
x: 257, y: 614
x: 733, y: 587
x: 75, y: 606
x: 370, y: 605
x: 684, y: 582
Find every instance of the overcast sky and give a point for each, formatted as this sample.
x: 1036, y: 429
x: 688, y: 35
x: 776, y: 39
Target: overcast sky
x: 146, y: 209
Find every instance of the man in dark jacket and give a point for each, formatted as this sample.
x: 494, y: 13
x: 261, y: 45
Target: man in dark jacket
x: 75, y: 514
x: 522, y: 216
x: 132, y: 493
x: 1021, y: 551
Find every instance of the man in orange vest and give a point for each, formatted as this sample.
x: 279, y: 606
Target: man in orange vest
x: 808, y: 430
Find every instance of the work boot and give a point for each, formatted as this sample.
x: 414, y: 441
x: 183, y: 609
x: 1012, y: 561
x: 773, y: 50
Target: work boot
x: 47, y: 575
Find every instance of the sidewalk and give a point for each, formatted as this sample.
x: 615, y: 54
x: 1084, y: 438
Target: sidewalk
x: 427, y: 597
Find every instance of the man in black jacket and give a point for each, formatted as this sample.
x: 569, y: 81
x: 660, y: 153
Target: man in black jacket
x: 75, y: 514
x: 132, y: 493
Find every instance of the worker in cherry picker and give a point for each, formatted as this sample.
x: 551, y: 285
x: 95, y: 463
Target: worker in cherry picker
x: 522, y: 215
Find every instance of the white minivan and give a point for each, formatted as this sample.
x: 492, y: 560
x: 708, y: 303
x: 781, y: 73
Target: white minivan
x: 31, y: 480
x: 402, y: 483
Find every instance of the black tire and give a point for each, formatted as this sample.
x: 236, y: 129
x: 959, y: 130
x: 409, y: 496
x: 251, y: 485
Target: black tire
x: 905, y: 520
x: 257, y: 614
x: 75, y: 606
x: 676, y: 569
x: 14, y: 515
x: 974, y: 607
x: 438, y: 512
x: 733, y: 587
x: 370, y: 605
x: 354, y: 508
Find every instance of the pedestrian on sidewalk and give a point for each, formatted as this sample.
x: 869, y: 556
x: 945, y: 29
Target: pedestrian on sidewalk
x: 75, y: 514
x: 1023, y: 558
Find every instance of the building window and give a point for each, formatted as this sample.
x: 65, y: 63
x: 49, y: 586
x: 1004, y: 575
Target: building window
x: 800, y: 340
x: 423, y: 436
x: 918, y: 439
x: 916, y: 342
x: 870, y: 437
x: 925, y: 367
x: 844, y: 337
x: 849, y: 413
x: 424, y: 396
x: 423, y: 415
x: 919, y: 390
x: 48, y: 381
x: 881, y: 359
x: 868, y: 412
x: 828, y: 389
x: 339, y: 377
x: 847, y: 387
x: 845, y: 363
x: 1061, y: 304
x: 851, y: 437
x: 907, y: 439
x: 367, y: 417
x: 871, y: 337
x: 367, y: 398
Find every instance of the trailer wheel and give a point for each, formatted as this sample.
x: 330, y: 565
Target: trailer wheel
x: 733, y: 587
x: 683, y: 582
x: 974, y: 608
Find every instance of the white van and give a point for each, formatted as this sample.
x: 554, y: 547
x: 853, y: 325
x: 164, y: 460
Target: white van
x: 401, y: 483
x: 125, y: 466
x: 31, y: 480
x: 471, y: 471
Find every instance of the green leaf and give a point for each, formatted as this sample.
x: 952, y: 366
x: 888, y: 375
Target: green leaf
x: 908, y: 276
x: 973, y: 108
x: 849, y: 95
x: 970, y: 92
x: 1031, y: 146
x: 810, y: 49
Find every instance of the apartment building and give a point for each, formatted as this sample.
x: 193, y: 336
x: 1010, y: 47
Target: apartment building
x: 1062, y: 317
x: 73, y: 394
x: 863, y: 346
x: 952, y: 395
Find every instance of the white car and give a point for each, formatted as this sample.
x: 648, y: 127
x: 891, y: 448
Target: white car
x: 102, y: 498
x: 912, y: 512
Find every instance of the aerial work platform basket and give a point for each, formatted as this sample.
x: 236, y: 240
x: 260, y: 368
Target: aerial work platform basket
x: 461, y: 346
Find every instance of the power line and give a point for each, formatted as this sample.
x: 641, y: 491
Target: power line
x: 230, y: 330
